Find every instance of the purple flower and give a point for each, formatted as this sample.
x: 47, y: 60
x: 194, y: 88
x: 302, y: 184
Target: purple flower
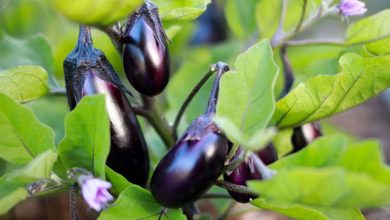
x: 352, y: 8
x: 95, y: 192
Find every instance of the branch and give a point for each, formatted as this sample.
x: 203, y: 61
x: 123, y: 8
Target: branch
x: 279, y: 34
x: 189, y: 98
x: 158, y: 121
x: 287, y: 72
x: 317, y: 42
x: 302, y: 18
x: 235, y: 188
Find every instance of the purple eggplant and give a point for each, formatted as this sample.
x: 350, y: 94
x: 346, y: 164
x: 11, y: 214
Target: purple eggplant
x: 88, y: 72
x: 304, y: 135
x: 191, y: 167
x: 145, y: 51
x: 247, y: 171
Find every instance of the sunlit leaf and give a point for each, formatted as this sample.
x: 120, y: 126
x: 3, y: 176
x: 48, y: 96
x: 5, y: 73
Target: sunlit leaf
x: 360, y: 79
x: 22, y: 136
x: 24, y: 83
x: 13, y: 185
x: 181, y: 9
x: 138, y: 203
x: 246, y: 100
x: 96, y: 12
x: 87, y: 136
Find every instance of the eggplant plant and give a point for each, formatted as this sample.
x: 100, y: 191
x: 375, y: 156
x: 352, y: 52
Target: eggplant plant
x: 119, y: 120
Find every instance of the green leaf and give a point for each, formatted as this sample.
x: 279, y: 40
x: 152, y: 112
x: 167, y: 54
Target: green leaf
x: 360, y: 79
x: 13, y: 185
x: 181, y: 9
x: 22, y: 136
x: 96, y: 12
x: 372, y: 28
x: 330, y: 172
x: 138, y: 203
x: 34, y: 50
x: 307, y: 212
x: 246, y: 101
x: 241, y: 17
x: 119, y: 183
x: 328, y: 187
x: 87, y: 136
x: 24, y: 83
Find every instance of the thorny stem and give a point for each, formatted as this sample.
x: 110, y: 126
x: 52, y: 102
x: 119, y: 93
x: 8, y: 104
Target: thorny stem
x: 189, y: 98
x: 235, y: 188
x: 235, y: 163
x: 212, y: 103
x: 72, y: 202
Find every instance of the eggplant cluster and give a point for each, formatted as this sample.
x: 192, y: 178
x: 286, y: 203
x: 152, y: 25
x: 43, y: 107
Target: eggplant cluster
x: 247, y: 171
x: 191, y: 167
x: 88, y: 72
x: 145, y: 51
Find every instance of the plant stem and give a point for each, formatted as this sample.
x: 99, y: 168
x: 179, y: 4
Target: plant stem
x: 72, y: 202
x: 235, y: 163
x: 316, y: 42
x: 287, y: 72
x: 302, y: 18
x: 158, y: 121
x: 189, y: 98
x: 235, y: 188
x: 281, y: 37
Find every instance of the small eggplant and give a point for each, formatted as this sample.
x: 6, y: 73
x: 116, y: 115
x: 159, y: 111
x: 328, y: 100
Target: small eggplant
x: 246, y: 171
x: 191, y: 167
x: 145, y: 51
x: 304, y: 135
x: 88, y: 72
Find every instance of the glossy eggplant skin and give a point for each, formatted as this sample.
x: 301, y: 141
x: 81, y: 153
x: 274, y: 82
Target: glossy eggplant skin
x: 145, y: 54
x: 128, y: 154
x: 191, y: 167
x: 88, y: 72
x: 304, y: 135
x: 246, y: 171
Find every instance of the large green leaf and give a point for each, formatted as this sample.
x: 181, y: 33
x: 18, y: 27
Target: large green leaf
x: 137, y: 203
x: 241, y: 17
x: 308, y: 212
x: 360, y: 79
x: 96, y: 12
x: 181, y: 9
x: 369, y: 29
x: 246, y: 101
x: 22, y: 136
x: 24, y: 83
x: 87, y: 136
x: 13, y: 185
x: 34, y: 50
x: 330, y: 172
